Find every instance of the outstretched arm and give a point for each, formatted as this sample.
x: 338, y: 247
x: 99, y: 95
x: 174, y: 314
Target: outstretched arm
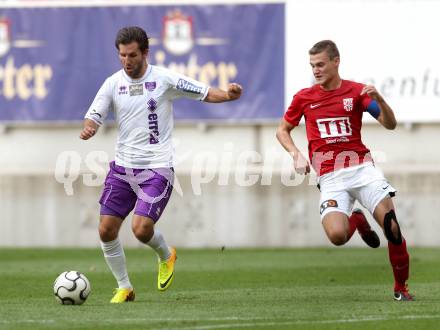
x: 300, y: 163
x: 217, y: 95
x: 386, y: 116
x: 90, y: 128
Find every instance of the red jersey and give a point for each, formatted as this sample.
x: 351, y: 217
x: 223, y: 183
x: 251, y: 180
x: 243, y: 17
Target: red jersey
x: 333, y: 124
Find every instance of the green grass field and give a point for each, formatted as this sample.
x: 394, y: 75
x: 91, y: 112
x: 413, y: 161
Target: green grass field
x: 334, y: 288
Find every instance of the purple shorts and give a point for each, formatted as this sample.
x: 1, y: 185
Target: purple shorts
x: 147, y: 191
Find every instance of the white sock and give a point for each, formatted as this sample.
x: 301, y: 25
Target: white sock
x: 158, y: 244
x: 115, y: 257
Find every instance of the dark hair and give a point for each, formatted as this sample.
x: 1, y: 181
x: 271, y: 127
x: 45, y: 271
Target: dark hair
x: 325, y: 45
x: 131, y: 34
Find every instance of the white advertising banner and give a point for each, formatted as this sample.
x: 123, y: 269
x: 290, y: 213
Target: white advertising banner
x: 391, y: 44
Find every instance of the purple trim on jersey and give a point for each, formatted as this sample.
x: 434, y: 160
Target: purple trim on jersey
x: 146, y: 191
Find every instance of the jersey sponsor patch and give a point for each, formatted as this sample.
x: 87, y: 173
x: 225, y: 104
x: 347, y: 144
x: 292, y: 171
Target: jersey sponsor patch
x: 326, y: 204
x: 334, y: 127
x: 153, y: 125
x: 137, y: 89
x: 186, y: 86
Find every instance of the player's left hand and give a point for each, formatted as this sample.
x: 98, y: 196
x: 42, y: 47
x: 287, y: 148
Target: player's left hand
x: 87, y: 133
x: 234, y: 91
x: 372, y: 92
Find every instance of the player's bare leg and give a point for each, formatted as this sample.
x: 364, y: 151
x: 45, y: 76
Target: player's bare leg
x: 143, y: 229
x: 109, y: 227
x: 385, y: 216
x: 340, y: 228
x: 337, y: 227
x: 114, y: 255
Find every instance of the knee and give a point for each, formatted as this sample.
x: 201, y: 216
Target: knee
x: 391, y: 228
x: 337, y: 237
x: 143, y: 231
x: 107, y: 232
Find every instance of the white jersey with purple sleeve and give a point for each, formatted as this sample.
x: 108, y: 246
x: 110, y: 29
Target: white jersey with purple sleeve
x: 144, y: 113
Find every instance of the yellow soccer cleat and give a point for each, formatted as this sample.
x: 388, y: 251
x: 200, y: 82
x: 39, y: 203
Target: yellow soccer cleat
x: 122, y: 295
x: 166, y: 271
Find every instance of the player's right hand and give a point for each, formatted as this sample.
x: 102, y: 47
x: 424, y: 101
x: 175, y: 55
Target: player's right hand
x: 301, y: 164
x: 234, y: 91
x: 87, y: 133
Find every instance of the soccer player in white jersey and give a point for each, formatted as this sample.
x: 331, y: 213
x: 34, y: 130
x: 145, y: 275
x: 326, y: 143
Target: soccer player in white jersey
x: 141, y: 177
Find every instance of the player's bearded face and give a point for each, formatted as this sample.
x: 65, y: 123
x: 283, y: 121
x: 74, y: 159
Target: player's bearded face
x: 132, y: 59
x: 324, y: 69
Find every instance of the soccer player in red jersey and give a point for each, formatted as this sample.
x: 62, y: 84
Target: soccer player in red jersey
x: 333, y: 110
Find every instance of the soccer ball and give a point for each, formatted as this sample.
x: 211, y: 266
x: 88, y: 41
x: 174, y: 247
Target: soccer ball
x: 71, y: 288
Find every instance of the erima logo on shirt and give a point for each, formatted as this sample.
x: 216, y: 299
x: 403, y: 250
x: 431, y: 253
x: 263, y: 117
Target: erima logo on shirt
x: 122, y: 90
x: 153, y: 125
x: 186, y: 86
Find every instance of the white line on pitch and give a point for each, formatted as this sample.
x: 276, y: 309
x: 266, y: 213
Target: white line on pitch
x: 299, y: 322
x: 269, y: 322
